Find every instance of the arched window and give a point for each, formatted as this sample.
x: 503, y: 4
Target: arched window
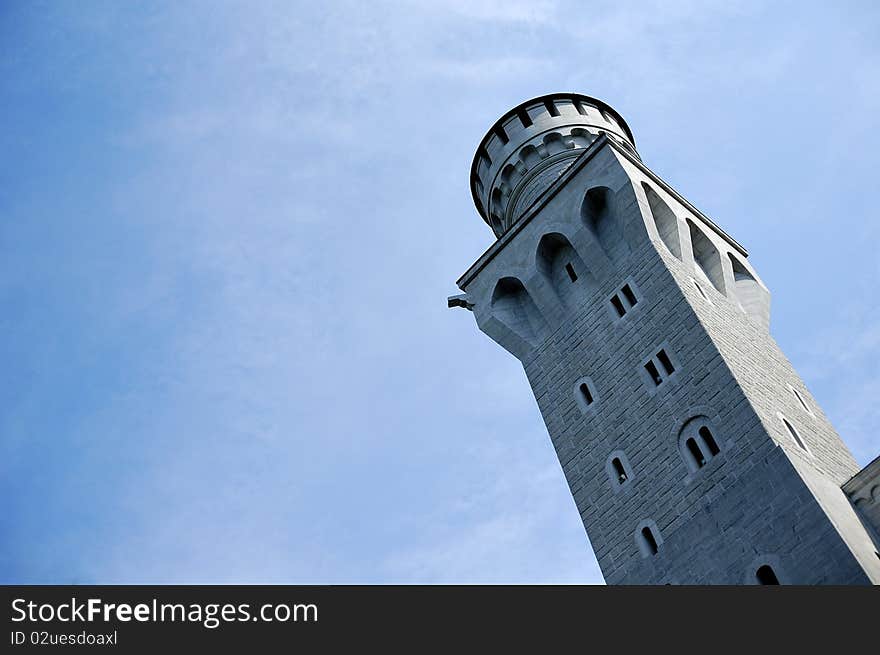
x: 752, y: 296
x: 564, y: 269
x: 599, y: 214
x: 585, y: 394
x: 697, y: 443
x: 709, y: 440
x: 648, y: 538
x: 765, y: 575
x: 665, y: 221
x: 618, y: 469
x: 514, y: 307
x: 706, y: 257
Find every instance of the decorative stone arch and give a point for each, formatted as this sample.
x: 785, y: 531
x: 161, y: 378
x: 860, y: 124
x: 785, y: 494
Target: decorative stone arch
x: 510, y: 175
x: 768, y: 560
x: 752, y: 295
x: 513, y: 306
x: 681, y: 419
x: 646, y: 533
x: 554, y: 143
x: 707, y: 259
x: 665, y: 221
x: 600, y: 215
x: 529, y: 156
x: 563, y: 269
x: 582, y: 137
x: 699, y: 443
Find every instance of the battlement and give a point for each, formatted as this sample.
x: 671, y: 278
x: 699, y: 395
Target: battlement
x: 531, y: 145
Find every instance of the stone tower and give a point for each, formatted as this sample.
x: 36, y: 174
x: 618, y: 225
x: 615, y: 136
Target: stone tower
x: 694, y: 452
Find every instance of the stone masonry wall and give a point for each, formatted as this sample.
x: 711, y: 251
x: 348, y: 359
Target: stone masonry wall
x: 749, y: 505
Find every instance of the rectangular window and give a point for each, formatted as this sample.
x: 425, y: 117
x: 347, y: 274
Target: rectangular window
x: 653, y: 372
x: 571, y: 274
x: 665, y: 361
x: 624, y: 299
x: 659, y: 367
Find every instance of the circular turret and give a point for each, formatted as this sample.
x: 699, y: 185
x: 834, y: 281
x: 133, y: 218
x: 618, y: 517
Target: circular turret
x: 532, y: 145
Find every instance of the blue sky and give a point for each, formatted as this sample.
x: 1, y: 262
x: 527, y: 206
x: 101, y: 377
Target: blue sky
x: 228, y: 233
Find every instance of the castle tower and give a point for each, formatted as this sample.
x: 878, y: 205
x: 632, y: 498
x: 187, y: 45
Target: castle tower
x: 694, y: 452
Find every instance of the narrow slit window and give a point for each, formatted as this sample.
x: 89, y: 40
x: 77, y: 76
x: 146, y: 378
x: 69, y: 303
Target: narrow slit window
x: 794, y: 435
x: 585, y: 392
x: 629, y: 295
x: 700, y: 289
x: 524, y: 118
x: 551, y: 107
x: 800, y: 400
x: 571, y: 274
x: 502, y: 134
x: 766, y: 575
x: 695, y: 452
x: 653, y: 372
x: 666, y: 362
x: 709, y: 441
x: 580, y: 108
x: 650, y: 541
x: 619, y: 470
x: 618, y: 306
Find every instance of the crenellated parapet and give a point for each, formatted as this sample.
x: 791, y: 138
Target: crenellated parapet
x: 531, y: 146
